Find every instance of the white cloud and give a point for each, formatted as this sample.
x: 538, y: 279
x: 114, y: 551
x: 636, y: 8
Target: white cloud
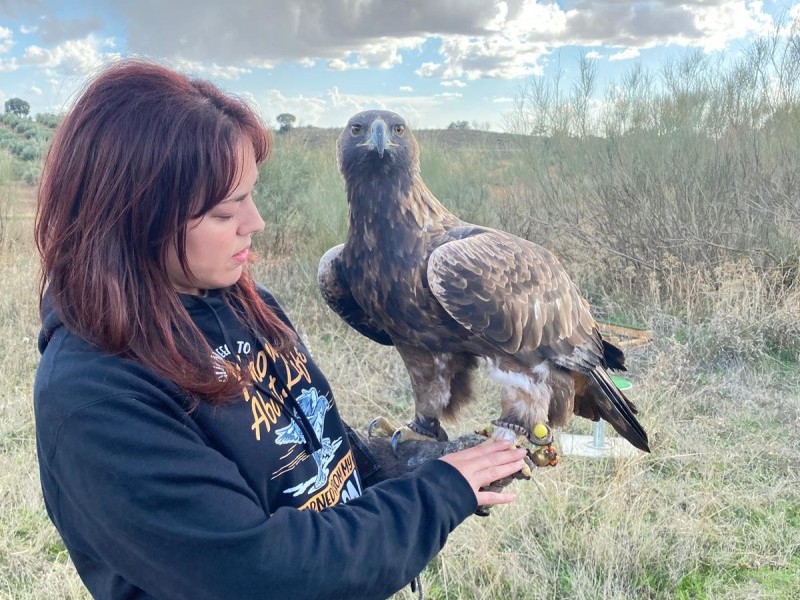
x: 453, y: 83
x: 337, y: 64
x: 382, y: 55
x: 37, y: 91
x: 8, y: 65
x: 730, y: 20
x: 71, y: 58
x: 593, y: 55
x: 6, y: 39
x: 626, y: 54
x: 213, y: 71
x: 406, y: 88
x: 308, y: 110
x: 334, y: 107
x: 263, y: 63
x: 429, y: 69
x: 502, y: 100
x: 449, y: 95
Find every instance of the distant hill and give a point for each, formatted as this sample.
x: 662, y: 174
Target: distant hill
x: 444, y: 138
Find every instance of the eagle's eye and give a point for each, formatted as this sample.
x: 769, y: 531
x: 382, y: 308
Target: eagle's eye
x: 356, y: 129
x: 399, y: 129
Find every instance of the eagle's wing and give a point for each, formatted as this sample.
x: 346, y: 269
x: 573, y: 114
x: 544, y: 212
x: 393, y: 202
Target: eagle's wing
x: 335, y: 290
x: 516, y: 296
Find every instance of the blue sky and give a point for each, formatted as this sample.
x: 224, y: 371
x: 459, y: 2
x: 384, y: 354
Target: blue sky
x: 434, y: 61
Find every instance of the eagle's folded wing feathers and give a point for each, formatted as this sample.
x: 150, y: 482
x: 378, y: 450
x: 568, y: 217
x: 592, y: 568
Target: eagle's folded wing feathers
x: 336, y: 292
x: 516, y: 296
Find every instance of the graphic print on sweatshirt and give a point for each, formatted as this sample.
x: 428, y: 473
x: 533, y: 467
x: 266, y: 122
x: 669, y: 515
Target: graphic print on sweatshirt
x: 314, y: 408
x: 277, y: 377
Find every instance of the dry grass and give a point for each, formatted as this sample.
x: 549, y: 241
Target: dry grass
x: 33, y: 562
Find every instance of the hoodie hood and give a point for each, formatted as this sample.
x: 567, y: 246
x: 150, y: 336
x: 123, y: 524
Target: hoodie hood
x: 50, y: 321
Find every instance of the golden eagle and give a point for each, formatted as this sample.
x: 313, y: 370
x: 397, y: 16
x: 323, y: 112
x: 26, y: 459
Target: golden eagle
x: 446, y: 293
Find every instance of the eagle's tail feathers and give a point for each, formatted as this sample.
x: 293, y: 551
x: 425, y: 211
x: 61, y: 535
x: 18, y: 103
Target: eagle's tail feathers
x: 621, y: 411
x: 613, y: 356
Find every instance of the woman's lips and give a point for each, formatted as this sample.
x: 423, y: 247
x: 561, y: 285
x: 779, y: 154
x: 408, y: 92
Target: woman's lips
x: 241, y: 257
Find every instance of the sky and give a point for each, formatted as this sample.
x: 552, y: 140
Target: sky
x: 433, y: 61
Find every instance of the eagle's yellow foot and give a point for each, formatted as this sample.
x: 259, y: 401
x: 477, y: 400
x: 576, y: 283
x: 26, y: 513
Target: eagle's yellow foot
x: 546, y: 456
x: 383, y: 426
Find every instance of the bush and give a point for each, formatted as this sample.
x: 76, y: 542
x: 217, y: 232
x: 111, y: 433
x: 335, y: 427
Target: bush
x: 698, y: 164
x: 48, y: 119
x: 31, y: 175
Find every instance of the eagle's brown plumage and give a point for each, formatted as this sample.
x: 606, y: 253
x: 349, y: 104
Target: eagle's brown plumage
x: 445, y: 293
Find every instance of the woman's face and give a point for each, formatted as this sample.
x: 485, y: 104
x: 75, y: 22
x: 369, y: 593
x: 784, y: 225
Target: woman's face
x: 218, y: 243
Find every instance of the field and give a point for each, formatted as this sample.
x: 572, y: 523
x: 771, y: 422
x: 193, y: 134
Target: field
x: 689, y: 226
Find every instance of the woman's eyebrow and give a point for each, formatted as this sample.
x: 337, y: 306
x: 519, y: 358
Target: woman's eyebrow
x: 240, y: 197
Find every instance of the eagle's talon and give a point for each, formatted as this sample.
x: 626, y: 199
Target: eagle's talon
x: 407, y: 434
x: 398, y: 433
x: 383, y: 425
x: 485, y: 431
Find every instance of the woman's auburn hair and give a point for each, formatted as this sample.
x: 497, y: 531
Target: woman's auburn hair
x: 144, y: 150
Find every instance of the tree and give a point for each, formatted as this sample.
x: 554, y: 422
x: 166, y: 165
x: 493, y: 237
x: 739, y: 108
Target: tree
x: 286, y: 121
x: 18, y: 106
x: 459, y: 125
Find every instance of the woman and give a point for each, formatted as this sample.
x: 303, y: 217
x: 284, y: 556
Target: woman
x: 188, y: 445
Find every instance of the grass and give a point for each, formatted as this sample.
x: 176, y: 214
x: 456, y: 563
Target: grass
x: 33, y: 561
x: 712, y: 513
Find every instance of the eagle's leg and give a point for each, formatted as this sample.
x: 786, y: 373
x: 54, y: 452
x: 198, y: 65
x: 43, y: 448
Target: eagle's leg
x: 526, y: 408
x: 422, y: 428
x: 440, y: 383
x: 427, y: 426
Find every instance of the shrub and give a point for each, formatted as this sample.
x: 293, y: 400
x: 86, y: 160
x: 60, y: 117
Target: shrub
x: 698, y: 164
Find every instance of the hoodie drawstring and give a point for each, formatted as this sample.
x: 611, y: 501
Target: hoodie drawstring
x: 296, y: 413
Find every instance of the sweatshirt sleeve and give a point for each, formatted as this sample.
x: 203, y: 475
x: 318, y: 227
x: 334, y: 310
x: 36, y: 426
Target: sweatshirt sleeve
x: 174, y: 517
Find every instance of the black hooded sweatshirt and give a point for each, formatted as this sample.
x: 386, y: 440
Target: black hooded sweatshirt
x: 258, y: 498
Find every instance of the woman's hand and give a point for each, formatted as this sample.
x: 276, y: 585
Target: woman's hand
x: 486, y: 463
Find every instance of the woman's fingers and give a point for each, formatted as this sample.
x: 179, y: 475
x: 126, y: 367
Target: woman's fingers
x: 494, y: 498
x: 486, y: 463
x: 495, y: 472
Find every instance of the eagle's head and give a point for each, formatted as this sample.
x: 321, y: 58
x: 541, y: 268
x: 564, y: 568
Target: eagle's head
x: 377, y: 143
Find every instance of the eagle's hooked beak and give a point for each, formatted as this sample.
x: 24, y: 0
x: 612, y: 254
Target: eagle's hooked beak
x: 379, y: 137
